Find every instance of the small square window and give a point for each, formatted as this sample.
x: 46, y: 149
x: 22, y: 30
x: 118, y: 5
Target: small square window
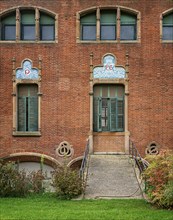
x: 108, y: 32
x: 128, y: 32
x: 47, y: 32
x: 88, y: 32
x: 28, y: 32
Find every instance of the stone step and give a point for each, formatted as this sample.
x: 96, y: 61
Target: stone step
x: 111, y: 176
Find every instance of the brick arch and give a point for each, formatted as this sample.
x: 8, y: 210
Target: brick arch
x: 13, y: 9
x: 75, y: 163
x: 92, y: 9
x: 32, y: 157
x: 167, y: 12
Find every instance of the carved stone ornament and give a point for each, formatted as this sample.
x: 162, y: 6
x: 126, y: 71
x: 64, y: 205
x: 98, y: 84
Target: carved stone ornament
x: 64, y: 149
x: 152, y: 148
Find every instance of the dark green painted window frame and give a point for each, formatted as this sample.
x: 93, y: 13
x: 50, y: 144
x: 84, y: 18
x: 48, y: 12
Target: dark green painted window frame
x: 115, y: 120
x: 27, y: 110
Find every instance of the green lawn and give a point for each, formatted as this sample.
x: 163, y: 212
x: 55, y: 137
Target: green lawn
x: 44, y: 207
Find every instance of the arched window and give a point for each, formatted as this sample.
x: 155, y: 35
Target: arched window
x: 167, y: 27
x: 111, y: 24
x: 8, y: 27
x: 28, y: 25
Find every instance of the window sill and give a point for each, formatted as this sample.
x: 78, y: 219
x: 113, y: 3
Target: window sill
x: 27, y: 42
x: 28, y: 133
x: 109, y: 133
x: 167, y: 41
x: 108, y: 41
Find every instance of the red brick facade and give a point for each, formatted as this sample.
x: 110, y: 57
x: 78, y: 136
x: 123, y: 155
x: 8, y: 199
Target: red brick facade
x: 65, y: 84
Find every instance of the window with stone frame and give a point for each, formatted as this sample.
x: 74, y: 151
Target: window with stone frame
x: 112, y: 24
x: 108, y: 108
x: 28, y: 25
x: 26, y: 98
x: 167, y: 27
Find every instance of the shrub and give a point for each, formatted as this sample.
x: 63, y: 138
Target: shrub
x: 159, y: 180
x: 12, y: 182
x: 67, y: 183
x: 35, y: 179
x: 15, y: 183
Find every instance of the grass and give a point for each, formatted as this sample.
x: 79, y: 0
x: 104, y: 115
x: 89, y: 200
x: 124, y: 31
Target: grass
x: 48, y: 207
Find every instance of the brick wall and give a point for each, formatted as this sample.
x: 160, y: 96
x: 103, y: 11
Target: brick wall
x: 65, y: 106
x: 109, y: 143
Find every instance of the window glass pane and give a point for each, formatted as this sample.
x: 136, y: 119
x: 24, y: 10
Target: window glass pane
x: 168, y: 33
x: 9, y: 32
x: 88, y: 32
x: 47, y: 32
x: 89, y: 19
x: 120, y: 92
x: 108, y: 17
x: 128, y: 32
x: 96, y: 91
x: 104, y: 91
x: 108, y: 32
x: 112, y: 90
x: 46, y: 19
x: 28, y: 17
x: 128, y: 19
x: 28, y: 32
x: 168, y: 19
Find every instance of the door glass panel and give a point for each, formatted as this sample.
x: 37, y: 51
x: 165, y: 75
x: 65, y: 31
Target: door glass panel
x: 120, y: 91
x: 112, y: 91
x: 104, y: 114
x: 105, y: 91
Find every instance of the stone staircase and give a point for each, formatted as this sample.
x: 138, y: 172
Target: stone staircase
x: 111, y: 176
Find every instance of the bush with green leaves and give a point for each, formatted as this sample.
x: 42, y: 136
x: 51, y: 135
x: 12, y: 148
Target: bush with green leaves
x: 15, y: 183
x: 159, y: 180
x: 67, y: 183
x: 12, y: 182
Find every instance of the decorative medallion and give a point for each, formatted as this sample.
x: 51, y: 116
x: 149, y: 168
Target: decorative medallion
x: 64, y: 149
x: 109, y: 70
x: 27, y: 72
x: 152, y: 148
